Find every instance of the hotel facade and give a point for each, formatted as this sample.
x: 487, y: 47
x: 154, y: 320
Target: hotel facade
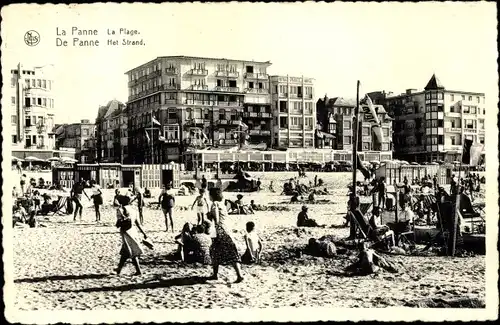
x: 431, y: 125
x: 294, y: 112
x: 192, y: 93
x: 32, y: 105
x: 335, y: 119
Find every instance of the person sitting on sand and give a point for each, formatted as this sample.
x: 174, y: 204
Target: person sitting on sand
x: 254, y: 245
x: 257, y: 207
x: 242, y: 207
x: 369, y: 262
x: 322, y: 247
x: 19, y: 213
x: 311, y: 198
x: 115, y: 198
x: 201, y: 242
x: 303, y: 219
x: 295, y: 198
x: 271, y: 187
x: 184, y: 241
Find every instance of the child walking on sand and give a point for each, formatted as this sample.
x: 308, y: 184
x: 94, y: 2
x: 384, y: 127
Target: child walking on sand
x: 254, y: 245
x: 202, y: 206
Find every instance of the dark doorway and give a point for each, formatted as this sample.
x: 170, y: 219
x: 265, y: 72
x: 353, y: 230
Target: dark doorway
x: 128, y: 178
x: 167, y: 177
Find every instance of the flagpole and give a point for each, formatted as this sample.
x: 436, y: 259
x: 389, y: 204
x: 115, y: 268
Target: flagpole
x: 355, y: 143
x: 152, y: 139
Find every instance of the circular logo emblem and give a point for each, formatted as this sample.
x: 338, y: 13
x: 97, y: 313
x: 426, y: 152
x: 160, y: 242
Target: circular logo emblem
x: 32, y: 38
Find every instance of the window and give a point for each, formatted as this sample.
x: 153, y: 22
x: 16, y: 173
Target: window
x: 13, y: 100
x: 27, y: 121
x: 39, y: 83
x: 232, y: 83
x: 453, y: 141
x: 44, y: 102
x: 452, y: 97
x: 473, y: 110
x: 366, y: 146
x: 470, y: 124
x: 463, y: 97
x: 249, y: 69
x: 28, y: 141
x: 172, y: 132
x: 33, y: 83
x: 478, y: 99
x: 250, y: 85
x: 14, y: 139
x: 347, y: 140
x: 283, y: 122
x: 261, y: 86
x: 386, y: 132
x: 13, y: 119
x: 481, y: 139
x: 219, y: 82
x: 440, y: 95
x: 366, y: 130
x: 427, y: 96
x: 466, y: 109
x: 283, y: 108
x: 470, y: 98
x: 481, y: 124
x: 347, y: 124
x: 440, y: 139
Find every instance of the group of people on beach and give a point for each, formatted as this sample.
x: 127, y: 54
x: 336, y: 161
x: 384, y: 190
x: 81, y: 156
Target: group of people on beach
x: 209, y: 241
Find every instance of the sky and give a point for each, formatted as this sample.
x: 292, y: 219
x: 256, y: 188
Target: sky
x: 387, y: 46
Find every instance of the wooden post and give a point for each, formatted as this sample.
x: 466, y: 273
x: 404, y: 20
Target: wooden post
x: 456, y: 214
x: 355, y: 142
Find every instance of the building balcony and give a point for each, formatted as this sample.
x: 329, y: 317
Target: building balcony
x: 227, y: 74
x: 257, y: 114
x: 481, y: 131
x: 228, y: 104
x: 260, y: 76
x: 171, y: 71
x: 227, y: 89
x: 171, y: 87
x: 257, y: 91
x: 265, y: 115
x: 198, y: 72
x: 467, y: 130
x: 453, y: 114
x: 453, y: 130
x: 198, y: 87
x: 283, y: 95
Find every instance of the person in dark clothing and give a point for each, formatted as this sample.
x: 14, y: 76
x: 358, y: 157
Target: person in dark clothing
x: 203, y: 182
x: 382, y: 193
x: 76, y: 194
x: 167, y: 203
x: 303, y: 219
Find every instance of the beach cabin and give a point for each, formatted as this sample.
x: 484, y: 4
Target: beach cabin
x: 395, y: 172
x: 114, y: 175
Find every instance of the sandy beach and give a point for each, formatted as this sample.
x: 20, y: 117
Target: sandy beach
x: 69, y: 266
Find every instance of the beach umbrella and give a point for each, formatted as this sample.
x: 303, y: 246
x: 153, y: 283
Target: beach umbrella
x: 414, y: 163
x: 54, y: 159
x: 403, y: 162
x: 434, y: 163
x: 16, y: 159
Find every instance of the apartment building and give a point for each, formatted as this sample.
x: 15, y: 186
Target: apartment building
x: 111, y: 133
x: 77, y: 136
x: 430, y: 125
x: 335, y: 117
x: 187, y: 93
x: 293, y: 110
x: 31, y: 98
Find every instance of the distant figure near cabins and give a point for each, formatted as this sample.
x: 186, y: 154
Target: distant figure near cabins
x: 382, y: 193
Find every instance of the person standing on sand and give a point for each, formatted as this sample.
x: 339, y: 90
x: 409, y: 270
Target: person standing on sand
x: 167, y: 203
x: 201, y: 206
x: 76, y: 193
x: 131, y: 247
x: 97, y: 198
x: 223, y: 250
